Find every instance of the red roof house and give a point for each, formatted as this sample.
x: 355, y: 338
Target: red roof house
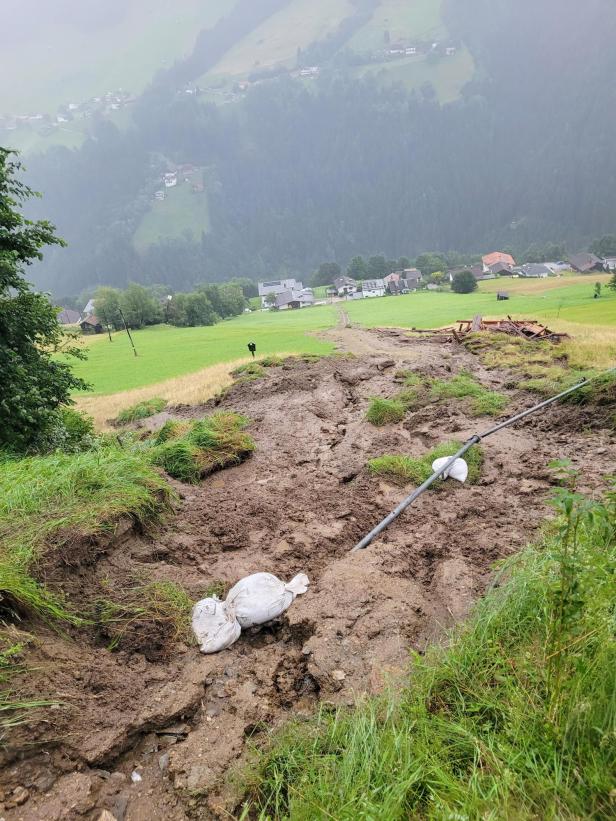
x: 498, y: 256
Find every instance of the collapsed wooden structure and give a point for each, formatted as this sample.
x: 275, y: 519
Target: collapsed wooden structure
x: 530, y: 329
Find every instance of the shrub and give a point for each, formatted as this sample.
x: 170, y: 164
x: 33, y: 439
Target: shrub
x: 404, y: 470
x: 464, y: 282
x: 141, y: 410
x: 383, y: 411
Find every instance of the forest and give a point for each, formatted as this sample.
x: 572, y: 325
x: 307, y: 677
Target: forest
x: 296, y: 174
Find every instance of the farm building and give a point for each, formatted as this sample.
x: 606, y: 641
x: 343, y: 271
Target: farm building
x: 91, y: 325
x: 585, y: 263
x: 373, y: 287
x: 497, y: 256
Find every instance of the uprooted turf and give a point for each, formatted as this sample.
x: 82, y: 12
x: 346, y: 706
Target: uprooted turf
x: 189, y: 451
x: 47, y: 501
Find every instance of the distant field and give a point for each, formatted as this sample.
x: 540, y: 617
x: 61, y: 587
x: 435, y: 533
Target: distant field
x: 448, y: 76
x: 182, y: 211
x: 278, y: 38
x: 62, y: 63
x: 571, y: 300
x: 401, y: 19
x: 166, y: 352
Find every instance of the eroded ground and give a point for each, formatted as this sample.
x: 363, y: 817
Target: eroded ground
x: 182, y: 721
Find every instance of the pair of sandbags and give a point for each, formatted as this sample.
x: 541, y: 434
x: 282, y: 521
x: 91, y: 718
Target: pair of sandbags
x: 254, y: 600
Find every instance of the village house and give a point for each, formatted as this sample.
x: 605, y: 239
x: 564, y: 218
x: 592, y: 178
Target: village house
x: 170, y: 179
x: 283, y: 286
x: 585, y: 263
x: 534, y: 270
x: 501, y: 269
x: 373, y: 287
x: 345, y: 286
x: 609, y: 264
x: 497, y: 257
x: 91, y: 325
x: 294, y: 299
x: 89, y: 309
x: 557, y: 267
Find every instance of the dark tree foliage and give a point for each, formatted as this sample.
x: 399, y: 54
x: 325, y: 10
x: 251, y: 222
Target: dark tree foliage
x: 604, y: 246
x: 464, y: 283
x: 34, y: 385
x: 326, y: 273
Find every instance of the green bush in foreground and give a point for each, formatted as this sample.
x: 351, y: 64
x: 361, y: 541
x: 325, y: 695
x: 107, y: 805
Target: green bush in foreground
x: 404, y: 470
x: 141, y: 410
x: 384, y: 411
x: 515, y: 719
x: 188, y: 451
x: 45, y: 502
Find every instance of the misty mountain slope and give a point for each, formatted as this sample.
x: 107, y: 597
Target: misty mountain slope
x: 66, y: 51
x: 299, y: 173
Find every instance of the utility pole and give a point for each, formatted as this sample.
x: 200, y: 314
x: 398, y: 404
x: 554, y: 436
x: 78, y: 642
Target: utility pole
x: 128, y: 332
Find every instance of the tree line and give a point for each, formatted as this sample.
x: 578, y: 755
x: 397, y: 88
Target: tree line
x: 137, y: 306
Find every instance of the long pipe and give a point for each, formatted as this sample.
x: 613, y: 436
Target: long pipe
x: 474, y: 440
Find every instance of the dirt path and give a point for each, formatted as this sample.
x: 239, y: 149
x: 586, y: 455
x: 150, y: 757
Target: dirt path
x: 300, y: 504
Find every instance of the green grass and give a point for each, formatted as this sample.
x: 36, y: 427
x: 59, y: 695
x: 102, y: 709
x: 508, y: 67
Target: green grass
x: 404, y: 470
x: 463, y: 385
x: 48, y: 502
x: 141, y: 410
x: 515, y: 718
x: 181, y: 214
x: 384, y: 411
x: 189, y: 451
x: 166, y: 352
x: 573, y: 303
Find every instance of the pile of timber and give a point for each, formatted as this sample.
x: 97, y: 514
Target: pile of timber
x: 526, y: 328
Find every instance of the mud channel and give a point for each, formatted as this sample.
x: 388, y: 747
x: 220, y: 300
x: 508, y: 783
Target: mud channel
x: 183, y: 722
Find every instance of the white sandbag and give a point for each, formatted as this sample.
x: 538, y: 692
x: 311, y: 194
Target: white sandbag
x: 459, y: 469
x: 214, y: 624
x: 261, y: 597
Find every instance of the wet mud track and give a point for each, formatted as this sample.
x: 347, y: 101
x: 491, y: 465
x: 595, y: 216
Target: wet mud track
x: 183, y: 722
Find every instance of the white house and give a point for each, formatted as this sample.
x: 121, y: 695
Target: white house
x: 373, y: 287
x: 278, y: 286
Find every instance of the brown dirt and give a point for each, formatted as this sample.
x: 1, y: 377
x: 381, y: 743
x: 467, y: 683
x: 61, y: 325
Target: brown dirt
x: 182, y: 720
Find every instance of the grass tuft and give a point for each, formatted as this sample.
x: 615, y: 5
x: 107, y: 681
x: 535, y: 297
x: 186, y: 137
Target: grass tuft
x: 483, y: 401
x: 189, y: 451
x: 404, y: 470
x: 385, y: 411
x: 141, y: 410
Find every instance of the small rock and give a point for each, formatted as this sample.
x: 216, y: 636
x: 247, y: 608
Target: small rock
x: 163, y: 762
x: 212, y: 710
x: 135, y: 777
x: 19, y: 796
x: 338, y: 675
x: 107, y: 816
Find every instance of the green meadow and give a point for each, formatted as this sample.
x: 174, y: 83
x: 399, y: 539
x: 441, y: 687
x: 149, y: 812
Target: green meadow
x: 165, y: 352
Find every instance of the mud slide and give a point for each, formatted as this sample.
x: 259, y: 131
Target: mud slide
x: 145, y: 734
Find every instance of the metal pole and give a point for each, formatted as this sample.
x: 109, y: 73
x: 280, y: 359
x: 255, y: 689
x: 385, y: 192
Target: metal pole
x: 474, y: 440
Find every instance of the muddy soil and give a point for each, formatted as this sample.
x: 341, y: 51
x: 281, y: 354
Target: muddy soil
x: 148, y: 735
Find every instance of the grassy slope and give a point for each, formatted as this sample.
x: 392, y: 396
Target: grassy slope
x: 65, y: 64
x: 448, y: 76
x: 277, y: 39
x: 165, y: 352
x: 180, y: 213
x: 420, y: 19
